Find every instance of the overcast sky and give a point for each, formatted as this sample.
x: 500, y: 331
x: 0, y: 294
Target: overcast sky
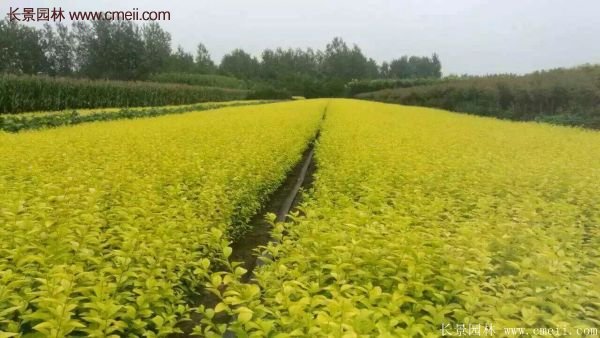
x: 471, y: 36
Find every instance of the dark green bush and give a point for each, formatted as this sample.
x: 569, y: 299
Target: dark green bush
x: 356, y: 87
x: 269, y: 93
x: 565, y: 96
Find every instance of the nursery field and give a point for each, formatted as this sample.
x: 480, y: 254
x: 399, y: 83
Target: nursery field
x: 51, y: 119
x: 422, y: 220
x: 416, y: 222
x: 109, y: 229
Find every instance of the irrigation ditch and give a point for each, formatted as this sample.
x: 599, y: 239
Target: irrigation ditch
x: 281, y: 202
x: 246, y: 250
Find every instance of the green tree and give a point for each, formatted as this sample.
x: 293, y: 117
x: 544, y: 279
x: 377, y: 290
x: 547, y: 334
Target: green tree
x: 371, y: 69
x: 181, y: 61
x: 416, y: 67
x: 157, y: 48
x: 344, y: 63
x: 58, y: 46
x: 110, y: 50
x: 240, y: 64
x: 291, y: 69
x: 436, y: 68
x: 384, y: 70
x: 204, y: 63
x: 21, y: 49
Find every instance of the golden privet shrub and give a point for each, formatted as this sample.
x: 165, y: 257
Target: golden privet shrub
x: 107, y: 229
x: 420, y: 219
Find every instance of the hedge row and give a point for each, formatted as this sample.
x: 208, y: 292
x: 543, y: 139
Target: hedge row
x: 356, y: 87
x: 563, y: 96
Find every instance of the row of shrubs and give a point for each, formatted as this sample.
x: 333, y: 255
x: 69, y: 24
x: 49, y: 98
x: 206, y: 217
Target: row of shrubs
x: 18, y: 122
x: 562, y: 96
x: 356, y: 87
x: 41, y: 93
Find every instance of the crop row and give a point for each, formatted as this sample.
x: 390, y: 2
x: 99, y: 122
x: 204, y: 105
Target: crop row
x: 112, y: 229
x: 421, y: 221
x: 35, y: 93
x: 38, y: 120
x: 356, y: 87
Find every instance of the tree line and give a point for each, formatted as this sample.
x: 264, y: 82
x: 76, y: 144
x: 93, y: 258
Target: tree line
x: 123, y: 50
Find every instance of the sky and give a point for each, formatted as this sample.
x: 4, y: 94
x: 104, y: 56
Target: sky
x: 471, y: 37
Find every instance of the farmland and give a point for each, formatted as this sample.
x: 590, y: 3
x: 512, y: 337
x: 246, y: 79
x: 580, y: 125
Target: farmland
x: 108, y: 228
x: 420, y: 218
x: 38, y: 93
x: 283, y: 169
x: 50, y: 119
x: 416, y: 218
